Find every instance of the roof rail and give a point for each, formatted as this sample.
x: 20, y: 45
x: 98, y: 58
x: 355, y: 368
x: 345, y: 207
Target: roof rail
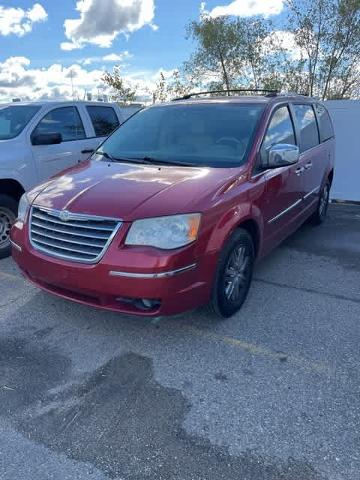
x: 269, y: 93
x: 290, y: 93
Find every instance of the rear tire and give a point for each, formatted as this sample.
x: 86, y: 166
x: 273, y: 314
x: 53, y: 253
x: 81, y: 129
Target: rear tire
x: 321, y: 210
x: 8, y: 214
x: 233, y: 275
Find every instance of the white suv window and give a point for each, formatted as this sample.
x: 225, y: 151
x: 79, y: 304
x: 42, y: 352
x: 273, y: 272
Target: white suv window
x: 64, y: 120
x: 104, y: 120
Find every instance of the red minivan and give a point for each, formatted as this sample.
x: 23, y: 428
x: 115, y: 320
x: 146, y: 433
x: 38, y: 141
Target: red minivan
x: 174, y: 208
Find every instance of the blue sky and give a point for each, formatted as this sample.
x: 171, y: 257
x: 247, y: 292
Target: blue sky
x: 41, y: 40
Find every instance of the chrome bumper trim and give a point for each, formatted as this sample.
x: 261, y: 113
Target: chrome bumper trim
x: 16, y: 246
x: 171, y: 273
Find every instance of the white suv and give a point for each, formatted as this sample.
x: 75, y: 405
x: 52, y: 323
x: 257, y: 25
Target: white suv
x: 38, y: 140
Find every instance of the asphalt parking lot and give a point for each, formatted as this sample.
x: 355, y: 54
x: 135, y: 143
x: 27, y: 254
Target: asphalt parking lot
x: 271, y: 394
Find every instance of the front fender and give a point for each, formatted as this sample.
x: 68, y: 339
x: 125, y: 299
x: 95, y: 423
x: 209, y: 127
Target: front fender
x: 232, y: 219
x: 16, y: 163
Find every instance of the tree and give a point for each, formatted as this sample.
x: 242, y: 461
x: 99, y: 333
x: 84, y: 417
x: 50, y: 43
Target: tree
x: 257, y: 50
x: 217, y: 50
x: 320, y: 55
x: 121, y: 91
x: 171, y: 86
x: 241, y: 53
x: 328, y: 34
x: 160, y: 94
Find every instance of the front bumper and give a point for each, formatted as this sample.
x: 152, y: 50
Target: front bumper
x: 173, y: 282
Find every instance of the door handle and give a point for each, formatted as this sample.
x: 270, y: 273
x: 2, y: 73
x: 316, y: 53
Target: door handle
x: 90, y: 150
x: 308, y: 165
x: 299, y: 171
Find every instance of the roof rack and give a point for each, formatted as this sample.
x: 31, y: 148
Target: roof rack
x: 269, y: 93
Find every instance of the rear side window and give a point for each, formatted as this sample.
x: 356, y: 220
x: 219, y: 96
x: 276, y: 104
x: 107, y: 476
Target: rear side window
x: 104, y: 120
x: 309, y: 135
x: 64, y: 120
x: 280, y: 129
x: 325, y: 125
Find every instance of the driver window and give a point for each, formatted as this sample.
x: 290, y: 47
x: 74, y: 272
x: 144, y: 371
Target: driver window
x: 280, y: 130
x: 64, y: 120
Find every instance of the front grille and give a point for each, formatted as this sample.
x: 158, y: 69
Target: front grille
x: 71, y: 236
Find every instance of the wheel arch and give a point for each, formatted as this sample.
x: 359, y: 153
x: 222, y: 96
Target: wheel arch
x: 12, y: 188
x: 252, y: 227
x: 331, y: 177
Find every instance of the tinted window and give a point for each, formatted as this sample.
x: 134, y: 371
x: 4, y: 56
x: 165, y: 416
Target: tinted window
x: 104, y: 120
x: 14, y: 119
x: 309, y: 136
x: 209, y: 134
x: 65, y: 120
x: 325, y: 126
x: 280, y: 129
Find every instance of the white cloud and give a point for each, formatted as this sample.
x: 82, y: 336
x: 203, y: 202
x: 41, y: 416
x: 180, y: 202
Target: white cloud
x: 37, y: 13
x: 245, y: 8
x: 19, y: 80
x: 114, y: 57
x: 110, y: 58
x: 101, y: 21
x: 286, y: 40
x: 20, y: 22
x: 68, y: 46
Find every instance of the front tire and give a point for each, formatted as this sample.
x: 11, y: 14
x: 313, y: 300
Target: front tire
x: 8, y: 214
x: 321, y: 211
x: 233, y: 275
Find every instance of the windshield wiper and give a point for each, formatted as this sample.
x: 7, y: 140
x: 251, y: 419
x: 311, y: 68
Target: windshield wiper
x: 158, y: 161
x: 147, y: 160
x: 108, y: 156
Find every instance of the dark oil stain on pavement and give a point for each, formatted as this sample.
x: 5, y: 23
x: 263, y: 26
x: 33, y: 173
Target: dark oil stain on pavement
x: 120, y: 420
x: 27, y: 373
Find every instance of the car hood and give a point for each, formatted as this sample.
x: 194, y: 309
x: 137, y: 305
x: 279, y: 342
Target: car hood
x: 129, y: 191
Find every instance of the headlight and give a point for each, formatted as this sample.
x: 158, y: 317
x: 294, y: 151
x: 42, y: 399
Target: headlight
x: 23, y: 209
x: 165, y: 232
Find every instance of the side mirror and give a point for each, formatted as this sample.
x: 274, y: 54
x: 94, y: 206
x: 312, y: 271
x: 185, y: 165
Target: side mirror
x: 47, y: 139
x: 282, y: 155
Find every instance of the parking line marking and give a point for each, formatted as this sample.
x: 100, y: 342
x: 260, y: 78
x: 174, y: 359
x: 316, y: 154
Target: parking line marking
x: 10, y: 275
x: 253, y: 349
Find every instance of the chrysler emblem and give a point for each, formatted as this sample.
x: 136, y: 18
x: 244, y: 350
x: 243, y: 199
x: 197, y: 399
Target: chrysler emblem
x: 64, y: 215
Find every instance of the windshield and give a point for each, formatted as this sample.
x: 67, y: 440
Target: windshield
x: 13, y: 120
x: 215, y: 135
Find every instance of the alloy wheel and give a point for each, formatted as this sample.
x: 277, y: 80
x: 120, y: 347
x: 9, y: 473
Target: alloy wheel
x: 7, y: 218
x: 324, y: 200
x: 237, y: 274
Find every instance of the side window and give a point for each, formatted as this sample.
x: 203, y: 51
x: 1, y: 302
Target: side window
x: 325, y: 125
x: 104, y: 120
x: 64, y: 120
x: 309, y: 135
x: 280, y: 130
